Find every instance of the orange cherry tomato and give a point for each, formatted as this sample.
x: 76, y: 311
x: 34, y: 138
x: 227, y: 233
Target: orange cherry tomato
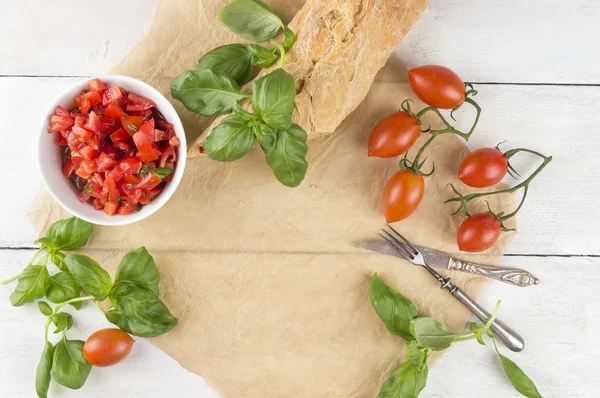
x: 107, y: 347
x: 437, y: 86
x: 394, y: 135
x: 478, y: 233
x: 402, y: 195
x: 483, y: 168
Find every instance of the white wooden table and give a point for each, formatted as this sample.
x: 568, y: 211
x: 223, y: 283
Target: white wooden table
x: 537, y: 66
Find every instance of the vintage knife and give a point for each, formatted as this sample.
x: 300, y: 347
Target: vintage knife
x: 436, y: 258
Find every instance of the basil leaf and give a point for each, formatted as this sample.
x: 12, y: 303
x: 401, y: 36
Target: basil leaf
x: 233, y: 61
x: 58, y: 259
x: 32, y: 285
x: 261, y: 56
x: 62, y: 288
x: 267, y: 136
x: 70, y: 234
x: 431, y: 333
x: 62, y: 321
x: 139, y: 267
x: 518, y: 378
x: 205, y: 92
x: 69, y: 366
x: 415, y: 354
x: 251, y: 19
x: 273, y: 98
x: 46, y: 242
x: 287, y: 158
x: 161, y: 172
x: 139, y: 311
x: 395, y: 310
x: 89, y: 275
x: 42, y: 374
x: 144, y: 170
x: 230, y: 140
x: 44, y: 308
x: 406, y: 381
x: 289, y: 38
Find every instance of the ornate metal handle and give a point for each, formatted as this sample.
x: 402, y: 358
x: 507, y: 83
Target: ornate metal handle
x: 514, y: 276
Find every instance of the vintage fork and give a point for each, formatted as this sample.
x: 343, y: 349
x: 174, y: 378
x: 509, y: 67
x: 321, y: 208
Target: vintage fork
x: 511, y: 339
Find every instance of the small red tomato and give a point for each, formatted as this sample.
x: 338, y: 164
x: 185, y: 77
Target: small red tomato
x: 483, y: 168
x: 394, y: 135
x: 402, y: 195
x: 478, y: 233
x: 107, y: 347
x: 437, y: 86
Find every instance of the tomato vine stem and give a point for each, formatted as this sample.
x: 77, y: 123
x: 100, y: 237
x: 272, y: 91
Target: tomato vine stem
x: 465, y: 199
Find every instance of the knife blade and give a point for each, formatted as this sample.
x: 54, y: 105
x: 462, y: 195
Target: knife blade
x: 439, y: 259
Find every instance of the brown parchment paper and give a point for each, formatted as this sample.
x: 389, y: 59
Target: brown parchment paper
x: 269, y: 289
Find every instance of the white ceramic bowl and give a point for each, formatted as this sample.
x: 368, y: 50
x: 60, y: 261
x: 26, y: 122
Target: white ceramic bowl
x: 63, y: 190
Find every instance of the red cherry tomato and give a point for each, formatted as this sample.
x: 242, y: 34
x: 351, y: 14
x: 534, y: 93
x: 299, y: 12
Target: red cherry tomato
x: 478, y: 233
x: 437, y: 86
x: 402, y: 195
x: 107, y: 347
x: 483, y: 168
x: 394, y: 135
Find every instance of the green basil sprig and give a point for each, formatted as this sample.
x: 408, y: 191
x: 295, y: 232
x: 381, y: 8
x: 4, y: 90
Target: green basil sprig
x: 135, y: 305
x: 424, y: 335
x: 251, y: 19
x: 273, y: 95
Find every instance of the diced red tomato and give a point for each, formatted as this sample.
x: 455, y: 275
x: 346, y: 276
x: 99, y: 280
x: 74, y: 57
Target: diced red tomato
x: 76, y: 159
x: 93, y: 97
x: 88, y: 153
x: 144, y: 146
x: 148, y: 181
x: 174, y: 141
x: 123, y: 146
x: 61, y: 140
x: 82, y: 103
x: 119, y: 135
x: 99, y: 109
x: 105, y: 162
x: 168, y: 155
x: 60, y: 121
x: 111, y: 208
x: 132, y: 193
x: 162, y: 124
x: 131, y: 179
x: 96, y: 85
x: 110, y: 189
x: 68, y: 168
x: 98, y: 205
x: 144, y: 200
x: 79, y: 120
x: 93, y: 123
x: 83, y: 134
x: 130, y: 165
x: 115, y: 174
x: 153, y: 193
x: 113, y: 95
x: 132, y: 124
x: 127, y: 208
x: 114, y: 112
x: 89, y: 166
x: 148, y: 129
x: 84, y: 196
x: 83, y: 173
x: 160, y: 135
x: 138, y: 103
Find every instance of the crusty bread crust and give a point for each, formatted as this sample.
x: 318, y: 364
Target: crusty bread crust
x: 340, y: 46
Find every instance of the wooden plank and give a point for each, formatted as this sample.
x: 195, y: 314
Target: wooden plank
x: 68, y: 37
x: 561, y: 330
x: 546, y: 41
x: 562, y: 204
x: 487, y: 40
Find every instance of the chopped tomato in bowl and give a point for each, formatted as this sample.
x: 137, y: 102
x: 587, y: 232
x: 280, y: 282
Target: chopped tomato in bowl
x: 112, y: 150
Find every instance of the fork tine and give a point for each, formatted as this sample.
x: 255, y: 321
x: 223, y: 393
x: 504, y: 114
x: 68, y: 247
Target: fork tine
x: 416, y: 251
x: 400, y: 250
x: 399, y: 246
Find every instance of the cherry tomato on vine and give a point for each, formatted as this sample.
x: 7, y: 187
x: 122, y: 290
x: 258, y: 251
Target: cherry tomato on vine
x: 107, y: 347
x: 478, y: 232
x: 483, y: 168
x: 394, y: 135
x: 402, y: 195
x: 437, y: 86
